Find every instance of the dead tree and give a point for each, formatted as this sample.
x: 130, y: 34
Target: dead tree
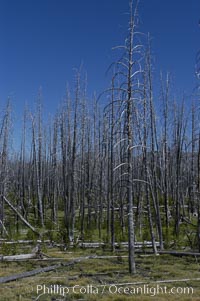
x: 146, y: 169
x: 129, y: 69
x: 54, y: 164
x: 65, y: 142
x: 4, y: 139
x: 180, y: 124
x: 198, y: 162
x: 37, y: 163
x: 165, y: 98
x: 153, y: 145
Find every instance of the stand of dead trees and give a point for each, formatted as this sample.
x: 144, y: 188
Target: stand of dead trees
x: 121, y: 166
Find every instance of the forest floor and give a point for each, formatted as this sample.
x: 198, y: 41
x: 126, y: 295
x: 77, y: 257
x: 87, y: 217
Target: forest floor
x: 103, y: 276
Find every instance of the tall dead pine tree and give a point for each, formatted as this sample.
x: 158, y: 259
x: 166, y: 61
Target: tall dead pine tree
x: 4, y: 138
x: 129, y: 71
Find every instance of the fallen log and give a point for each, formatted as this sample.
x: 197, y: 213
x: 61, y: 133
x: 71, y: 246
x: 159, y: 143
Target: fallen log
x: 144, y: 244
x: 91, y: 244
x: 36, y: 254
x: 173, y: 253
x: 28, y: 242
x: 18, y: 257
x: 28, y: 274
x: 42, y: 270
x: 180, y: 253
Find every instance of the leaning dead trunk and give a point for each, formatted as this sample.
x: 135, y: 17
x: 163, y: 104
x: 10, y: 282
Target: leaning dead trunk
x: 20, y: 216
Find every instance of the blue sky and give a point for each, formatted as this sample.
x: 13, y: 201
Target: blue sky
x: 42, y: 41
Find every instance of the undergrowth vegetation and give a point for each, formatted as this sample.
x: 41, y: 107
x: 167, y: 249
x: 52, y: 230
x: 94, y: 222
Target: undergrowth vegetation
x: 179, y: 272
